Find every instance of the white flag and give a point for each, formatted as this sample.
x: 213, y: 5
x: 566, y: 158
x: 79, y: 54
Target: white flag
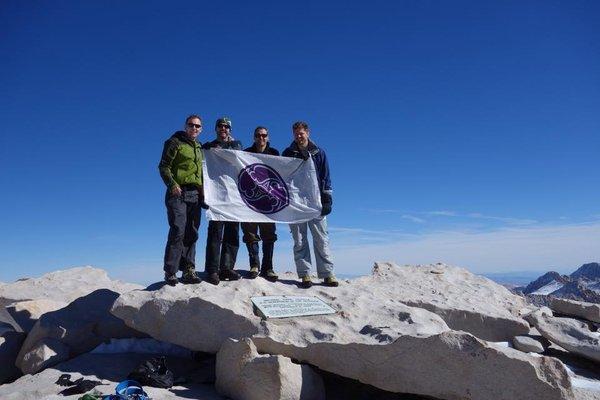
x: 250, y: 187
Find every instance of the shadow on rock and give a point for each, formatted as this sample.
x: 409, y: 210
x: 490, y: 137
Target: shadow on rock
x: 116, y: 367
x: 580, y: 366
x: 88, y: 321
x: 79, y: 327
x: 341, y: 388
x: 155, y: 286
x: 197, y: 392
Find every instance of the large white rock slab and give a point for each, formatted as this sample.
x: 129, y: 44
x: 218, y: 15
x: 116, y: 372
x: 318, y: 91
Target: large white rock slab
x: 201, y: 317
x: 570, y: 334
x: 64, y: 286
x: 450, y: 365
x: 42, y: 354
x: 467, y: 302
x: 243, y: 374
x: 110, y: 369
x: 27, y: 312
x: 581, y: 309
x: 374, y: 338
x: 79, y: 327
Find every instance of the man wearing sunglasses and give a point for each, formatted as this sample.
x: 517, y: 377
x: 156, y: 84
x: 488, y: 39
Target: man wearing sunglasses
x: 304, y: 148
x: 267, y: 230
x: 223, y: 239
x: 181, y: 170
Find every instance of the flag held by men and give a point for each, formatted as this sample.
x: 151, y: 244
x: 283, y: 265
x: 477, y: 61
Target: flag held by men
x: 250, y: 187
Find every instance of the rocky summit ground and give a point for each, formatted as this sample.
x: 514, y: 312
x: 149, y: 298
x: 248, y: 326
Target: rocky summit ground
x: 404, y: 332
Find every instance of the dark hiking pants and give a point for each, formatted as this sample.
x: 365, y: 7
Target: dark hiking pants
x: 183, y: 213
x: 252, y: 237
x: 222, y: 243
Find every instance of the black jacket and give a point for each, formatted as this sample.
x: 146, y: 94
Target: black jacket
x: 233, y: 145
x: 268, y: 150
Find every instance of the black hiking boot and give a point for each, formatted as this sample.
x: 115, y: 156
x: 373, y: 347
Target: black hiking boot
x: 190, y: 277
x: 331, y: 281
x: 269, y: 275
x: 171, y: 279
x: 253, y: 272
x: 212, y: 278
x: 306, y: 282
x: 229, y: 274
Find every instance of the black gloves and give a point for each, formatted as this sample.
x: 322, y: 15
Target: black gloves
x: 304, y: 154
x: 327, y: 202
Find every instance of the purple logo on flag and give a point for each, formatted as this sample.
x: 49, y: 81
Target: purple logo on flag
x: 263, y: 189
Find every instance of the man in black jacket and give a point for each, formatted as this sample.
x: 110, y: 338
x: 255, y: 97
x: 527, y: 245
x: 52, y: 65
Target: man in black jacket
x: 267, y: 230
x: 223, y: 240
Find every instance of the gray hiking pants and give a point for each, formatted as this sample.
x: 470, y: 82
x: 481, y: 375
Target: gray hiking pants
x: 183, y: 213
x: 318, y: 229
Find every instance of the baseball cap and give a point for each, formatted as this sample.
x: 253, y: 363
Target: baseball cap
x: 223, y: 121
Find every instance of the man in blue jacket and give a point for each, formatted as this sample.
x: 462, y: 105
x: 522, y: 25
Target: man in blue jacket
x: 223, y: 239
x: 303, y: 148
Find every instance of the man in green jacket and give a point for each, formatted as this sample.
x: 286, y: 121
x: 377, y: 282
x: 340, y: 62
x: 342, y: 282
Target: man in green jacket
x: 181, y: 169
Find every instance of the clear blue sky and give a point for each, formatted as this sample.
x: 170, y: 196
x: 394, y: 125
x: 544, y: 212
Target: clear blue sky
x: 465, y: 132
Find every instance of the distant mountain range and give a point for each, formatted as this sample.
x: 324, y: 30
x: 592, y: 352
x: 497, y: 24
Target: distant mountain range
x: 582, y: 285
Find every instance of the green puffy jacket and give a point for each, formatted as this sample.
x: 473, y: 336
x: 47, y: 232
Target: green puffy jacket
x: 181, y: 161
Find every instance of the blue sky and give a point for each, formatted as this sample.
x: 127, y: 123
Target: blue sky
x: 465, y: 132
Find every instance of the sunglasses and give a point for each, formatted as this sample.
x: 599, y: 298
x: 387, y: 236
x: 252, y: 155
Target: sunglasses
x: 223, y: 126
x: 261, y: 135
x: 197, y: 126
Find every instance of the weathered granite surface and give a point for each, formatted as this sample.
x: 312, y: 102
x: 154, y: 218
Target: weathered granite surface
x: 374, y: 338
x: 589, y: 311
x: 27, y: 312
x: 78, y: 327
x: 64, y: 286
x: 570, y: 334
x: 527, y: 344
x: 466, y: 301
x: 243, y: 374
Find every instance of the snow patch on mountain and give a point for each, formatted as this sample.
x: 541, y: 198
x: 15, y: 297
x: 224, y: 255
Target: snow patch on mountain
x: 549, y: 288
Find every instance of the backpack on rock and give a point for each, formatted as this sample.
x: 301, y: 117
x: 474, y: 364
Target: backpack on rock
x: 153, y: 372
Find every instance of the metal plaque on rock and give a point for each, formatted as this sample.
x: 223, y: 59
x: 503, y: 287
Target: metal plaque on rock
x: 290, y: 306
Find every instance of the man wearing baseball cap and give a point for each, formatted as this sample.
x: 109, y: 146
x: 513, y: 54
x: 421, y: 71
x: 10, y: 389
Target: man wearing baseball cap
x: 223, y: 240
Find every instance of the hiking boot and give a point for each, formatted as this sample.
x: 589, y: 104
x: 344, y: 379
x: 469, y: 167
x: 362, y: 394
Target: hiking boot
x: 189, y: 276
x: 253, y: 272
x: 212, y: 278
x: 229, y: 274
x: 171, y: 279
x: 331, y: 281
x: 269, y: 275
x: 253, y: 253
x: 306, y: 282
